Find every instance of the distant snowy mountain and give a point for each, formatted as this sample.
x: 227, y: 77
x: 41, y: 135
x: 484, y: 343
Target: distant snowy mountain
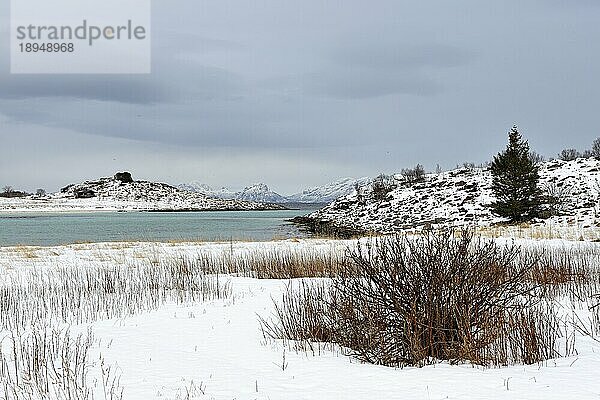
x: 260, y: 192
x: 257, y: 193
x: 330, y: 192
x: 196, y: 187
x: 121, y: 192
x: 203, y: 188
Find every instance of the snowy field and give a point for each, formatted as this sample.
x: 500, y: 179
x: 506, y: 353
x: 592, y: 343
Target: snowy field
x: 215, y: 349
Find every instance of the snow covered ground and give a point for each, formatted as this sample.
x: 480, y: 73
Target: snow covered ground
x: 461, y: 197
x: 215, y: 349
x: 219, y: 347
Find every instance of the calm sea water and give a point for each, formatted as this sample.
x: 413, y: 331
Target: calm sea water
x: 57, y: 229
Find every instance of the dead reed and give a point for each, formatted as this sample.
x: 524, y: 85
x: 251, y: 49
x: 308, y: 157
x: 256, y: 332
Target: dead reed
x: 78, y: 295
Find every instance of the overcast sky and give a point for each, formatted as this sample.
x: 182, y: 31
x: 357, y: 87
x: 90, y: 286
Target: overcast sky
x: 299, y: 93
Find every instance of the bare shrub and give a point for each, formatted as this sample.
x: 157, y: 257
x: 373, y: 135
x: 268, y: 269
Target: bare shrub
x: 596, y: 148
x: 413, y: 175
x: 412, y: 301
x: 536, y: 158
x: 303, y: 316
x: 569, y: 154
x: 382, y: 186
x: 556, y: 198
x: 467, y: 165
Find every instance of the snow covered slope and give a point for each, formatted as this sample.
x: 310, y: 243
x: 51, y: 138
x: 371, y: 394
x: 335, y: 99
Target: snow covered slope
x: 115, y: 194
x: 260, y: 192
x: 328, y: 193
x: 461, y: 197
x: 203, y: 188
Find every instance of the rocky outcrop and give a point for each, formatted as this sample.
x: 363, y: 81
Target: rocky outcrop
x: 124, y: 177
x: 84, y: 193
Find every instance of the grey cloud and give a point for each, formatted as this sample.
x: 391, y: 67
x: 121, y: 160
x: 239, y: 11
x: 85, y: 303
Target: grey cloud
x: 119, y: 89
x: 163, y: 40
x: 178, y: 82
x: 357, y: 88
x: 401, y: 56
x: 175, y: 78
x: 365, y: 83
x: 360, y: 70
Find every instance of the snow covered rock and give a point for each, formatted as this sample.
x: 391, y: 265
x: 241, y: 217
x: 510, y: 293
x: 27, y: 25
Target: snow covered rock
x: 328, y: 193
x: 459, y: 198
x: 261, y: 193
x: 121, y: 193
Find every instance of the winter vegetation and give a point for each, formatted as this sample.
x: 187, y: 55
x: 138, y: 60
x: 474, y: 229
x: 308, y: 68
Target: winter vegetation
x: 479, y: 282
x: 515, y: 180
x: 572, y: 154
x: 158, y: 320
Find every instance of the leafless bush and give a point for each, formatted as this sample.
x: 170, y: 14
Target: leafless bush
x: 304, y: 315
x: 536, y: 158
x: 412, y: 175
x: 406, y: 301
x: 557, y: 197
x: 382, y: 186
x: 569, y: 154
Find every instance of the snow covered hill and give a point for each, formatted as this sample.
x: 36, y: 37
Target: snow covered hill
x: 203, y: 188
x: 461, y: 197
x: 121, y: 192
x: 260, y: 192
x: 330, y: 192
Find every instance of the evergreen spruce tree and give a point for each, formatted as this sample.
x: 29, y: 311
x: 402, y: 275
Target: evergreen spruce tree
x: 515, y: 181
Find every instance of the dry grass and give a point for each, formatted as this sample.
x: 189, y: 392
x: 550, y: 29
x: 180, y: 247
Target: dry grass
x: 28, y: 252
x: 47, y: 363
x: 405, y: 300
x: 76, y: 295
x: 548, y: 231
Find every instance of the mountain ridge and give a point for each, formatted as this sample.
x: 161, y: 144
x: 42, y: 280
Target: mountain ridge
x: 261, y: 192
